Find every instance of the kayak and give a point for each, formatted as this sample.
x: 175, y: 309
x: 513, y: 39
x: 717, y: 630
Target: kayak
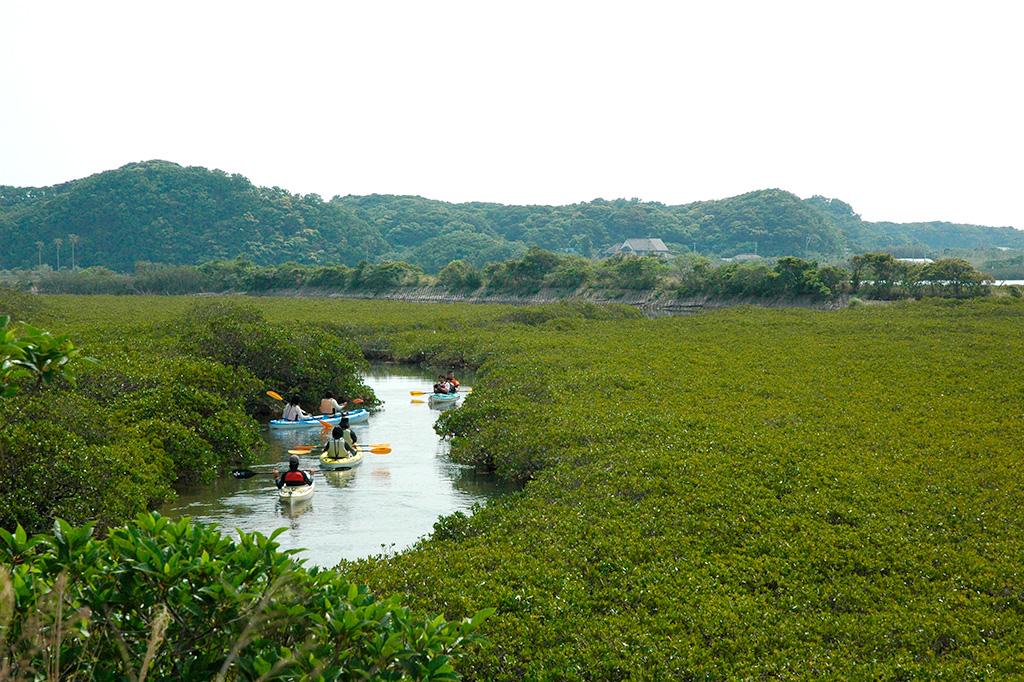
x: 328, y: 464
x: 354, y: 417
x: 295, y: 493
x: 444, y: 397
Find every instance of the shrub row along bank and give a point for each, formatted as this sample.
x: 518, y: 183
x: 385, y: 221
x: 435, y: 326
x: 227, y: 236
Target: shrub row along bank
x: 789, y: 278
x: 165, y: 404
x: 743, y: 494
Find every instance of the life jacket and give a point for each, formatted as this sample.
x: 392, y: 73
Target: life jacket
x: 336, y: 446
x: 294, y: 478
x: 454, y: 382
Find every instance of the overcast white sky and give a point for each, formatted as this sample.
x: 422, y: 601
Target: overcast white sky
x: 907, y: 110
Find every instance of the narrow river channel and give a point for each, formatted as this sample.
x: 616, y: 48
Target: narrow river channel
x: 383, y: 505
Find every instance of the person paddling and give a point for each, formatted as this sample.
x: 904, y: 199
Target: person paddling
x: 452, y: 382
x: 331, y: 406
x: 294, y: 477
x: 292, y: 411
x: 442, y: 386
x: 342, y: 443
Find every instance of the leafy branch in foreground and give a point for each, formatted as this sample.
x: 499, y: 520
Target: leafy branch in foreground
x: 163, y: 599
x: 34, y: 353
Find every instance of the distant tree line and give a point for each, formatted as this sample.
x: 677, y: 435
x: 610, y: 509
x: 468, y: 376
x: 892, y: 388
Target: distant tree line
x: 159, y: 211
x: 873, y: 275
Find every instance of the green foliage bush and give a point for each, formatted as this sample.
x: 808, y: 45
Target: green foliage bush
x: 523, y: 275
x: 179, y: 601
x: 629, y: 272
x: 169, y: 402
x: 301, y: 361
x: 460, y: 276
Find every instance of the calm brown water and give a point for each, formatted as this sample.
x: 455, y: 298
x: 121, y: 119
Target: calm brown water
x: 385, y: 504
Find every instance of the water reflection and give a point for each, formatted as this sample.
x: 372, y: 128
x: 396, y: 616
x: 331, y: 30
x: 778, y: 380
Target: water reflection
x: 339, y: 479
x: 388, y: 502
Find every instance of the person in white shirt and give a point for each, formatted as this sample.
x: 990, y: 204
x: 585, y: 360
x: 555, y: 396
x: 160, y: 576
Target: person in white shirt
x: 331, y: 406
x: 292, y: 411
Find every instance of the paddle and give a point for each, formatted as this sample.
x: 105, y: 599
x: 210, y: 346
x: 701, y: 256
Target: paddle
x: 249, y: 473
x: 376, y: 451
x: 307, y: 448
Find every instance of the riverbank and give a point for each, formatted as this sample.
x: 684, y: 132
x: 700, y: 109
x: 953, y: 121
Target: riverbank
x: 654, y: 303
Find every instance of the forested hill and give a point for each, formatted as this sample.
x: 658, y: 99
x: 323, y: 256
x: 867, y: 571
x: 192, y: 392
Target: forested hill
x: 162, y: 212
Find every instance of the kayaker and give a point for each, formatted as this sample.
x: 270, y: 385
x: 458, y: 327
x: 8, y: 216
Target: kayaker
x: 331, y: 406
x: 294, y: 477
x: 453, y: 382
x: 292, y: 411
x: 342, y: 443
x: 442, y: 386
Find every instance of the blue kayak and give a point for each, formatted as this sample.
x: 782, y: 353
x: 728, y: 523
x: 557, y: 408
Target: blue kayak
x: 354, y: 417
x: 443, y: 397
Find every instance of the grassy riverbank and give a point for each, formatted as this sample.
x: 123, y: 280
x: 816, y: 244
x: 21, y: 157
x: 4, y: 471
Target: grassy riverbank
x: 746, y: 493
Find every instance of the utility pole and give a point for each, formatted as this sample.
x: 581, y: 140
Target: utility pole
x: 39, y: 247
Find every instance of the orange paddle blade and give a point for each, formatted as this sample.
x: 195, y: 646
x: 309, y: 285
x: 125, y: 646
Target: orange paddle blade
x: 275, y: 395
x: 380, y: 451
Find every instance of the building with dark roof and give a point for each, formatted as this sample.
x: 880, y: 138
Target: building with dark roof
x: 640, y: 247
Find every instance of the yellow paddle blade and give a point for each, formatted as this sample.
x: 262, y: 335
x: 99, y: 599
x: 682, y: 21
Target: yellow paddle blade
x: 304, y: 448
x: 380, y: 451
x: 419, y: 392
x: 275, y: 395
x: 299, y: 452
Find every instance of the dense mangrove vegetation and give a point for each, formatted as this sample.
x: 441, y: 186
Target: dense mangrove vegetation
x: 163, y: 403
x: 745, y: 493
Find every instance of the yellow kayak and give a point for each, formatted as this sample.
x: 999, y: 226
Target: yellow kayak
x: 328, y: 464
